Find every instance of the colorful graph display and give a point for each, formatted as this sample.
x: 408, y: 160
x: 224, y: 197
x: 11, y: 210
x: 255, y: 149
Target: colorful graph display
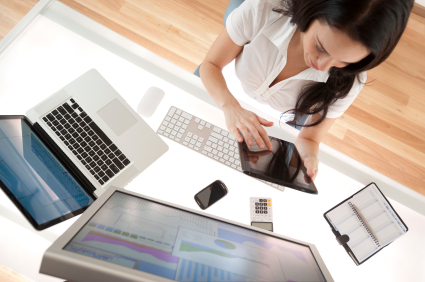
x: 164, y: 241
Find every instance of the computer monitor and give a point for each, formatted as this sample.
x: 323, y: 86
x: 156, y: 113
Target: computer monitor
x: 125, y: 236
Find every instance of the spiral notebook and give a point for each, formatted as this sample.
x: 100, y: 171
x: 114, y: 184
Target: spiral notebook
x: 365, y: 223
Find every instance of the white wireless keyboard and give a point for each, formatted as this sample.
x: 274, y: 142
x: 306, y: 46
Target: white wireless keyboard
x: 205, y: 138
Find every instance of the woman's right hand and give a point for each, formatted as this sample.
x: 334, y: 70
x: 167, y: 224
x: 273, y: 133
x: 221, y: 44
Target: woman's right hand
x: 239, y: 120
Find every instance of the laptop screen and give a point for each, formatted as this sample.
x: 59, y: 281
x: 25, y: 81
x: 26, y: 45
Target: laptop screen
x: 182, y: 246
x: 43, y: 187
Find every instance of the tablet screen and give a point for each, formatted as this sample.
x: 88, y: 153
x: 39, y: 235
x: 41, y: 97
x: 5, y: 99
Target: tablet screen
x: 282, y: 166
x: 41, y: 187
x: 182, y: 246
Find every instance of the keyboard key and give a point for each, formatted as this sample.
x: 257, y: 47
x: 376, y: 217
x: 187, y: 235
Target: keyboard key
x: 71, y: 130
x: 50, y: 117
x: 109, y: 173
x: 224, y: 133
x: 87, y: 119
x: 186, y: 115
x: 78, y: 119
x: 97, y: 177
x: 74, y: 152
x: 92, y: 164
x: 100, y: 133
x: 216, y: 135
x: 114, y: 168
x: 66, y: 125
x: 113, y: 147
x: 126, y: 162
x: 192, y: 142
x: 197, y: 120
x: 91, y: 153
x: 208, y: 125
x: 103, y: 146
x: 200, y: 127
x: 105, y: 178
x: 104, y: 157
x: 97, y: 169
x: 220, y: 143
x: 98, y: 142
x: 95, y: 137
x: 74, y: 106
x: 74, y: 115
x: 96, y: 148
x: 172, y: 111
x: 118, y: 163
x: 107, y: 151
x: 202, y: 122
x: 121, y: 157
x: 212, y: 139
x: 96, y: 158
x: 217, y: 129
x: 100, y: 163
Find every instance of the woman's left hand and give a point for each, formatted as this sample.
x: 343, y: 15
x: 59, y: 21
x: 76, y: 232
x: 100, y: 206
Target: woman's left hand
x: 312, y: 166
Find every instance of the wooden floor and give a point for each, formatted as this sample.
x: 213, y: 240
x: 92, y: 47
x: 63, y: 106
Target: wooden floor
x: 383, y: 129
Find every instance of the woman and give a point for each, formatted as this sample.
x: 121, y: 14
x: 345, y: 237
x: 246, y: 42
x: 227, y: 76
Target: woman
x: 306, y: 57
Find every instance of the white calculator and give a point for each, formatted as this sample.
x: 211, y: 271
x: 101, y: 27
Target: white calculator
x: 261, y: 213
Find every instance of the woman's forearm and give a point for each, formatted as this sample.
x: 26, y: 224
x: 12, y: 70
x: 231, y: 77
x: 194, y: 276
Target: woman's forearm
x: 307, y: 148
x: 213, y: 80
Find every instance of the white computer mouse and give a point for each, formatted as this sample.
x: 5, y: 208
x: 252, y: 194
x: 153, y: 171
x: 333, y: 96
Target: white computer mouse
x: 150, y: 101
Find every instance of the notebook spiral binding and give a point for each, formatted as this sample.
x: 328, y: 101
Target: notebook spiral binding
x: 364, y: 225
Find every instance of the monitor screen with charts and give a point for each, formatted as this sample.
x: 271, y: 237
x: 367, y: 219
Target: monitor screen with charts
x: 152, y: 237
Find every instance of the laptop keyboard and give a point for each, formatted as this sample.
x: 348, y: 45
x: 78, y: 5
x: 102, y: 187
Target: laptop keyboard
x: 100, y: 156
x: 205, y: 138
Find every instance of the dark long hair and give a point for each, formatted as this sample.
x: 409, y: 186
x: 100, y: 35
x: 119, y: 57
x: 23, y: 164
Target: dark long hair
x: 377, y: 24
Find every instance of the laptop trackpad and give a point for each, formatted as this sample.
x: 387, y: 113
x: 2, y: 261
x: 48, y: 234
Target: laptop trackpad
x: 117, y: 117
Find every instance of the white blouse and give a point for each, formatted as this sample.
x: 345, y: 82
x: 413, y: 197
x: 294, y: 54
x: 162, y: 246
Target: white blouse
x: 265, y: 36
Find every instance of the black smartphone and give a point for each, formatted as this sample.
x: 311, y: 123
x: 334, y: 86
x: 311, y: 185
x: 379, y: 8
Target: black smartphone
x: 211, y: 194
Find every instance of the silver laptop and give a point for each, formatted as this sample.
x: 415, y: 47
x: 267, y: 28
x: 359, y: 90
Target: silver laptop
x: 71, y: 147
x: 125, y: 236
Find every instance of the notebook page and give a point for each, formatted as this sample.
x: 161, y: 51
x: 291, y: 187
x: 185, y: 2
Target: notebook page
x: 379, y: 216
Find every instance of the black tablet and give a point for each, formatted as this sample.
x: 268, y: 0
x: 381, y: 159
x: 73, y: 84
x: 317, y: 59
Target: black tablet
x: 282, y: 166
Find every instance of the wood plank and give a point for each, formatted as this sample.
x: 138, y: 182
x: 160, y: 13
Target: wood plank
x: 159, y: 50
x: 162, y: 33
x: 378, y: 137
x: 380, y: 159
x: 183, y: 16
x: 418, y: 9
x: 386, y: 128
x: 7, y: 275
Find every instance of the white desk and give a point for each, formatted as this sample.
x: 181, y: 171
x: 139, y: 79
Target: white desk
x: 49, y: 55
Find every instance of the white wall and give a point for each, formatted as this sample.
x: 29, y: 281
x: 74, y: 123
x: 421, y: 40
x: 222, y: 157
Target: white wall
x: 420, y: 2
